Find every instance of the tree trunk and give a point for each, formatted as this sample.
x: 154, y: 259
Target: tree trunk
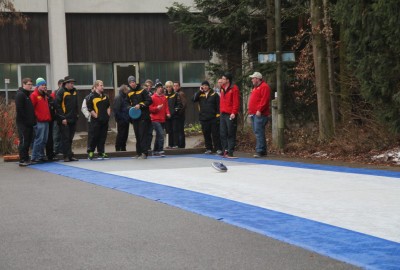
x: 328, y: 33
x: 326, y: 130
x: 270, y: 26
x: 270, y: 20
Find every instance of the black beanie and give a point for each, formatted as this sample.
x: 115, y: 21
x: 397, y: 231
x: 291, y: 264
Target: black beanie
x: 205, y: 83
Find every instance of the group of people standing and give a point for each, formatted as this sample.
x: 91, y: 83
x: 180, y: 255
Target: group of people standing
x: 160, y: 109
x: 218, y: 114
x: 48, y: 121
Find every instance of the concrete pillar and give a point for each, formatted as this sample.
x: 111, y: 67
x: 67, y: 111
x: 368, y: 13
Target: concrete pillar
x: 58, y: 42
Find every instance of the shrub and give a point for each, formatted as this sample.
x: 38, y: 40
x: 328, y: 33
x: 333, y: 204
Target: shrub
x: 8, y: 131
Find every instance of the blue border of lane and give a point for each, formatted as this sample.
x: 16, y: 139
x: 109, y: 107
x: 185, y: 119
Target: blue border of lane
x: 352, y: 247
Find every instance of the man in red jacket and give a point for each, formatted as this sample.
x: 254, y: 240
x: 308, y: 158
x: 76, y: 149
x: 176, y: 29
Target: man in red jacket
x: 159, y: 111
x: 259, y: 111
x: 229, y: 108
x: 42, y: 112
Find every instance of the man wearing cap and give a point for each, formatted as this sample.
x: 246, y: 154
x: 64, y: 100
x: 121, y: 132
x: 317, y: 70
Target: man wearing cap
x: 141, y: 100
x: 40, y: 104
x: 260, y: 97
x: 67, y: 114
x: 209, y: 117
x: 229, y: 107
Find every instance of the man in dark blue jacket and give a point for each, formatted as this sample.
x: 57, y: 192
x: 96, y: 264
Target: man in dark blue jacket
x: 121, y: 114
x: 25, y: 121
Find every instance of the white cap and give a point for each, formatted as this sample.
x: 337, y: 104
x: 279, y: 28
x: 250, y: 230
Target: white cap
x: 256, y: 75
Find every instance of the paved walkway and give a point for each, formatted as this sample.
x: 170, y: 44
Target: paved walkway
x: 348, y: 214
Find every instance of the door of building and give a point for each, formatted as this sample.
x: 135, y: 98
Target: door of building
x: 121, y: 73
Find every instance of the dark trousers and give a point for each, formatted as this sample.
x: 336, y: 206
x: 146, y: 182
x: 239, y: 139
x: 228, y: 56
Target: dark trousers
x: 141, y: 127
x: 56, y: 138
x: 172, y: 135
x: 180, y: 129
x: 227, y: 131
x: 98, y: 132
x: 25, y: 135
x: 50, y: 143
x: 122, y: 136
x: 67, y: 135
x: 149, y: 136
x: 210, y: 129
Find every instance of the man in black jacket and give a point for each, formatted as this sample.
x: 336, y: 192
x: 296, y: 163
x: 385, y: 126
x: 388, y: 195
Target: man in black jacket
x: 67, y: 115
x: 141, y: 100
x: 209, y: 117
x: 25, y: 120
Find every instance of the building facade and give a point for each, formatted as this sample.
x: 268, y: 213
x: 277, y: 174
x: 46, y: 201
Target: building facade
x: 99, y: 39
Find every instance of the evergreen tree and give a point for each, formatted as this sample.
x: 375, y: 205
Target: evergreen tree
x: 372, y: 36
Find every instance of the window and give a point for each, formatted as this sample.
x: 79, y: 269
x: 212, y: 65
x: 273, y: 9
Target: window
x: 188, y: 73
x: 9, y: 71
x: 192, y: 73
x: 104, y: 72
x: 33, y: 72
x: 82, y: 73
x: 164, y: 71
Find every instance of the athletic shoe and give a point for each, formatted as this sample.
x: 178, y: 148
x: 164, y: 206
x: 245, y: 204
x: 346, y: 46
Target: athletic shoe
x: 142, y: 156
x: 103, y: 156
x: 208, y: 152
x: 259, y: 155
x: 219, y: 152
x: 73, y: 159
x: 24, y: 163
x: 136, y: 157
x: 90, y: 155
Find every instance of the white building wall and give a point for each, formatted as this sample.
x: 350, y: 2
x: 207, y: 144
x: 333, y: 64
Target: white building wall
x: 102, y: 6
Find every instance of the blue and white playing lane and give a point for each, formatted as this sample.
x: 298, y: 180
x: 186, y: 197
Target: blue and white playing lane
x: 348, y: 214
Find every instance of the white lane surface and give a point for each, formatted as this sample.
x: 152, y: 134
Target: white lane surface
x: 363, y: 203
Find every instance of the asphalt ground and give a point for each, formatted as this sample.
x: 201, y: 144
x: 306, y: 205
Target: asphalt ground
x: 49, y: 221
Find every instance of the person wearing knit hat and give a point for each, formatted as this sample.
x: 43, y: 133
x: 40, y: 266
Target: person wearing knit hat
x: 41, y: 107
x: 131, y: 79
x: 140, y: 100
x: 40, y: 81
x: 205, y: 83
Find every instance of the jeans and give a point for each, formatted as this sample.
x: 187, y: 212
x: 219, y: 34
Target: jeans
x: 159, y: 141
x: 258, y: 124
x: 39, y: 144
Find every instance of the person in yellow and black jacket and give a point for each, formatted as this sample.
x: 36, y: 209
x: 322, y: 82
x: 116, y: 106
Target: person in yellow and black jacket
x: 67, y: 113
x: 98, y: 104
x: 140, y: 99
x: 209, y: 117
